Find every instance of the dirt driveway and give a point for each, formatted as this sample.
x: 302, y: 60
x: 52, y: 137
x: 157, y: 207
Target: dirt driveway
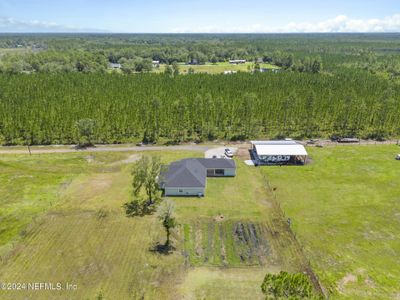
x: 218, y: 152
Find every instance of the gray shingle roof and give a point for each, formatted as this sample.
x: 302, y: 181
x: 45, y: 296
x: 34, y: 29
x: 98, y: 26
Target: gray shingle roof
x: 192, y: 172
x: 217, y: 163
x: 184, y: 173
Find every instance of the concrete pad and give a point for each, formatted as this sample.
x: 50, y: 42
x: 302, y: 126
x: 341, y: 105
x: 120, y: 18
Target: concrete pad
x: 219, y: 152
x: 249, y: 162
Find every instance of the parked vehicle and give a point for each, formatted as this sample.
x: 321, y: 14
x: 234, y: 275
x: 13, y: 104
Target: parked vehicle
x: 228, y: 152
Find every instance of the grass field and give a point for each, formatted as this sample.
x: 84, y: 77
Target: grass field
x: 64, y: 222
x: 345, y: 207
x: 218, y: 67
x: 4, y: 51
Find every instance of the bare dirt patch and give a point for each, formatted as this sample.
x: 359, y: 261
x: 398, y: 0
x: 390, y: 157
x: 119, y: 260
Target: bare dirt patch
x: 227, y: 243
x: 346, y: 280
x: 131, y: 159
x: 219, y: 218
x: 89, y: 158
x: 243, y: 153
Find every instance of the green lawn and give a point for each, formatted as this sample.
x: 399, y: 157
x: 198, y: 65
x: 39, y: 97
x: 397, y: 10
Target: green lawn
x: 218, y: 67
x: 345, y: 207
x: 63, y: 221
x: 4, y: 51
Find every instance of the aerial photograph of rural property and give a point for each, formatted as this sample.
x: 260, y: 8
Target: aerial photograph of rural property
x: 211, y: 150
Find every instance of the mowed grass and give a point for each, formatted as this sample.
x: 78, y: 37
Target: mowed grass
x: 345, y: 207
x: 250, y: 238
x: 242, y: 197
x: 218, y: 68
x: 28, y: 187
x: 80, y: 235
x: 223, y: 283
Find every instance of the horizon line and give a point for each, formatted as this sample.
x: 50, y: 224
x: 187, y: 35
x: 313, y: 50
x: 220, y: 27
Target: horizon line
x: 183, y: 33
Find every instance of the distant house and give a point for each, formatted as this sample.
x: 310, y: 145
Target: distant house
x: 155, y: 63
x: 264, y: 70
x: 115, y: 66
x: 187, y: 177
x: 259, y: 60
x: 237, y: 61
x: 348, y: 140
x: 278, y: 152
x: 194, y: 61
x: 273, y: 70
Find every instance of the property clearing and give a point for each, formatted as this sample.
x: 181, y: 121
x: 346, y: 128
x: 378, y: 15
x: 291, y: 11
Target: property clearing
x: 65, y: 223
x: 218, y: 68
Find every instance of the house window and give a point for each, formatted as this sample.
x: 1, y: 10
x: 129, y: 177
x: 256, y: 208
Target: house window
x: 220, y: 172
x: 180, y: 191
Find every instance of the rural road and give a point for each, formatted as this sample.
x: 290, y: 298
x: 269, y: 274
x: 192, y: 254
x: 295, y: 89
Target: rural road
x: 102, y: 148
x: 187, y: 147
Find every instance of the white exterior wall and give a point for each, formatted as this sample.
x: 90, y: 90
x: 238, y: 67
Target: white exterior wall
x: 230, y: 172
x: 185, y: 191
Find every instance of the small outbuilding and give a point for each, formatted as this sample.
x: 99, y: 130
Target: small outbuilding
x: 115, y: 66
x: 237, y: 61
x: 187, y: 177
x: 278, y: 153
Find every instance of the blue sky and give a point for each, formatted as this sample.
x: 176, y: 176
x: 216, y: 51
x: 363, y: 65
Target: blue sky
x: 199, y: 16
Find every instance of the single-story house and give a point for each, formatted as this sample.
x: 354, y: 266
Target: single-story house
x: 237, y: 61
x: 194, y: 61
x: 264, y: 70
x: 155, y: 63
x: 187, y: 177
x: 278, y: 152
x: 115, y: 66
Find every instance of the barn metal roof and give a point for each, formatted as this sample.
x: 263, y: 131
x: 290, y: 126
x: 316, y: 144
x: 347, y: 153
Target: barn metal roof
x: 279, y: 148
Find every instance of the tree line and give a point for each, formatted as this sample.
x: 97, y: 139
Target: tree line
x: 87, y: 53
x: 53, y: 109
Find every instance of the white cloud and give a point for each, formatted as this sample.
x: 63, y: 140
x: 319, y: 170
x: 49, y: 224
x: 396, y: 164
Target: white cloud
x: 340, y: 23
x: 14, y: 25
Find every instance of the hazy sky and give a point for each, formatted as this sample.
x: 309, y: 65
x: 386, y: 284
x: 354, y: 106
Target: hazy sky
x: 200, y: 16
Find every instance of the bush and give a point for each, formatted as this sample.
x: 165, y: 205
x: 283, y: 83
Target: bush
x: 287, y: 286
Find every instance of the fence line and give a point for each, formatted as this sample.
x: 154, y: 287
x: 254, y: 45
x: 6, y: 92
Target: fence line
x: 314, y: 277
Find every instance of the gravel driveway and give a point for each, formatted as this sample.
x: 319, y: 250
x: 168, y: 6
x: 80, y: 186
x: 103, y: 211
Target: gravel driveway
x: 218, y: 152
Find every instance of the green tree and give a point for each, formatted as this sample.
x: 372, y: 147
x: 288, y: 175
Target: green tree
x: 168, y: 70
x: 128, y: 66
x: 86, y: 129
x: 316, y: 66
x: 167, y: 216
x: 146, y: 174
x: 175, y: 68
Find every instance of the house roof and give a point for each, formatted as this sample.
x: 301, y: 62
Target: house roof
x: 279, y: 148
x: 192, y: 172
x: 217, y: 163
x: 184, y: 173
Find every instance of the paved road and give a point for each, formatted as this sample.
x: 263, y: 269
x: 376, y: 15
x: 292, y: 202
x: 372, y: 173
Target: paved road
x: 109, y: 148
